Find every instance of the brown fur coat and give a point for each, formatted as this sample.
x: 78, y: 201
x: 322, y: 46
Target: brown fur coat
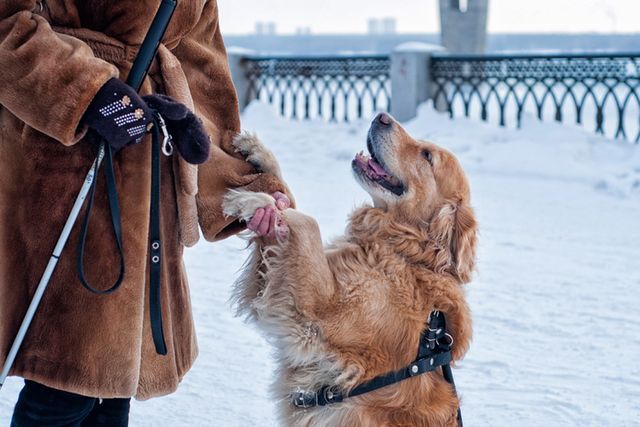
x: 54, y: 56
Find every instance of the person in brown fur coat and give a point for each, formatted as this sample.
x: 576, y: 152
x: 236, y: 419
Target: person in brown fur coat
x: 85, y: 355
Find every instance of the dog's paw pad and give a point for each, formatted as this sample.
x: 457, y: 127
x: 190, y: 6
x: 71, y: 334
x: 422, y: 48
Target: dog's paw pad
x: 243, y: 204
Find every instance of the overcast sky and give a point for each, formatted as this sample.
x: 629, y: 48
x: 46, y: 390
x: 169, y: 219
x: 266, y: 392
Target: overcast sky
x: 350, y: 16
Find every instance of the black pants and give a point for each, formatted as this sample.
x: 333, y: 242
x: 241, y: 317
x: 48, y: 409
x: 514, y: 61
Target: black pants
x: 41, y: 406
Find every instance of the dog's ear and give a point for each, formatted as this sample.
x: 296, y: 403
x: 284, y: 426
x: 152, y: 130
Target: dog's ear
x: 464, y: 241
x: 454, y: 231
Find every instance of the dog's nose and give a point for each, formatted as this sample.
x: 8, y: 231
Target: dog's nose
x: 385, y: 119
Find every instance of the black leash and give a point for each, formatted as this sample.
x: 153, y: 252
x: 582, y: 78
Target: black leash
x: 434, y: 351
x: 155, y: 242
x: 114, y: 208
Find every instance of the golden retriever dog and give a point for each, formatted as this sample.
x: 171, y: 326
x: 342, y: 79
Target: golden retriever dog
x: 341, y: 315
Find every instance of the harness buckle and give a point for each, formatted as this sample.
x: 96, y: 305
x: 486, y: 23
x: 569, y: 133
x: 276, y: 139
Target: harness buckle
x: 305, y: 399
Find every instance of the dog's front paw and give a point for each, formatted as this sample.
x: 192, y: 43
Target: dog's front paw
x: 243, y: 204
x: 257, y: 154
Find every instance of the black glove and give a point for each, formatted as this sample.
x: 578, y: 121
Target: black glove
x: 185, y: 128
x: 121, y: 117
x: 118, y: 114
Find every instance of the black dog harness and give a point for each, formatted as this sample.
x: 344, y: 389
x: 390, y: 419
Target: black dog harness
x: 434, y: 350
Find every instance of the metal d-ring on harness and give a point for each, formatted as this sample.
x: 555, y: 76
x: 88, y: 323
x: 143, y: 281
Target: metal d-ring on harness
x: 434, y: 350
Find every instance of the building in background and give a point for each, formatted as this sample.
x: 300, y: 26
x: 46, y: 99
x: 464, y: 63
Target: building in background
x: 464, y: 30
x: 382, y: 26
x: 463, y: 25
x: 265, y: 28
x: 388, y: 26
x: 303, y: 31
x: 373, y: 26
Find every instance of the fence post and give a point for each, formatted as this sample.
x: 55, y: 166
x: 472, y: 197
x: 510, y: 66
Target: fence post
x: 237, y: 66
x: 410, y: 79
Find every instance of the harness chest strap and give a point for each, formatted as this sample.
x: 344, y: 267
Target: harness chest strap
x: 432, y: 353
x: 328, y: 395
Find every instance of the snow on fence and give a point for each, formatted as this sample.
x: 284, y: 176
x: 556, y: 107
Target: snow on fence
x: 599, y: 91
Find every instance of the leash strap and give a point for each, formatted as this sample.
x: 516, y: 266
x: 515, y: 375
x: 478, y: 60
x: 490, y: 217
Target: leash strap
x: 434, y: 351
x: 114, y: 208
x: 155, y: 243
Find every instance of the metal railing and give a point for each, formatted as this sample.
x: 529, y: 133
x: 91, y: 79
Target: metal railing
x: 599, y: 91
x: 332, y: 88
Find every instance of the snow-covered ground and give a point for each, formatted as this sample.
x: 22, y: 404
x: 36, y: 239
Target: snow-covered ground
x: 556, y: 300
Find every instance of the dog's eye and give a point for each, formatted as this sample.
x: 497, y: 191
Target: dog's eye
x: 427, y: 155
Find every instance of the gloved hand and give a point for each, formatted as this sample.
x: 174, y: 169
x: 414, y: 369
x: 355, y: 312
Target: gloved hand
x: 121, y: 117
x: 185, y: 127
x: 118, y: 114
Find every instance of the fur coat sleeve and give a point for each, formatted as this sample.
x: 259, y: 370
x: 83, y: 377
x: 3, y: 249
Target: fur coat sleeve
x: 63, y: 74
x: 204, y: 60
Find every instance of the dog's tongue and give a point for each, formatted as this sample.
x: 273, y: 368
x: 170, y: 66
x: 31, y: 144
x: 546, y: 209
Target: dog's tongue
x: 377, y: 168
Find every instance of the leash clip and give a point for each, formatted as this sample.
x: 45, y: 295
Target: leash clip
x: 167, y: 145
